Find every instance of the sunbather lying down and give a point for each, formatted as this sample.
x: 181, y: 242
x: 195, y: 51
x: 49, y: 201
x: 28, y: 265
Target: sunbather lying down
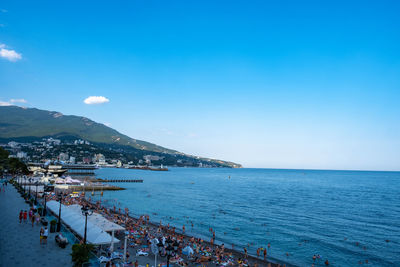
x: 202, y: 259
x: 182, y: 263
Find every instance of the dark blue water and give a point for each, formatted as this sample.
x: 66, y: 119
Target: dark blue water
x: 345, y: 216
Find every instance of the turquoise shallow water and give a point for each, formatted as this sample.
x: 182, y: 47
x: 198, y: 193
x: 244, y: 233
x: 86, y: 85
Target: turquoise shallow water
x: 302, y: 212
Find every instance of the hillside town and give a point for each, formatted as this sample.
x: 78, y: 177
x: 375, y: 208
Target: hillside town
x: 82, y: 152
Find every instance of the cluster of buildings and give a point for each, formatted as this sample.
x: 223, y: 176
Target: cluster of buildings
x: 78, y: 151
x: 46, y: 149
x: 69, y: 152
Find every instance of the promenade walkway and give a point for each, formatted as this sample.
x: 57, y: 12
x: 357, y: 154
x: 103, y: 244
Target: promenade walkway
x: 19, y: 243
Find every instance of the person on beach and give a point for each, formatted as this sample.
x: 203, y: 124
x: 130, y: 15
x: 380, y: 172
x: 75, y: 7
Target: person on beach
x: 25, y: 216
x: 21, y: 216
x: 30, y: 214
x: 265, y: 254
x: 258, y: 252
x: 245, y: 252
x: 41, y: 234
x: 37, y: 218
x: 183, y: 229
x: 33, y: 220
x: 45, y: 235
x: 126, y: 211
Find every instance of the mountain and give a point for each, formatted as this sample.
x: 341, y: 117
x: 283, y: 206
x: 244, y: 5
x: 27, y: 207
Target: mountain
x: 31, y: 124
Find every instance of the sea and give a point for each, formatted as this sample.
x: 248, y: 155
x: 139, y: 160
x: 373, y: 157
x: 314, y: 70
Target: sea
x: 349, y: 218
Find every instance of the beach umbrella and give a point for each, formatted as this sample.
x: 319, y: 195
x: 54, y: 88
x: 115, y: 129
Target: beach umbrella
x: 187, y: 251
x: 154, y: 249
x: 60, y: 181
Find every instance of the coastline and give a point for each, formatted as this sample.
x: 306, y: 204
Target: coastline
x: 153, y: 226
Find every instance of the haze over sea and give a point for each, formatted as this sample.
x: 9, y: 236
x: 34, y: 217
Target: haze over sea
x: 302, y: 212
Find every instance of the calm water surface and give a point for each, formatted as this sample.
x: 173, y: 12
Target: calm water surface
x: 345, y: 216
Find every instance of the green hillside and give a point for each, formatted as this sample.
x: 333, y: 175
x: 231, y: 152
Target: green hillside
x: 30, y: 123
x: 22, y: 122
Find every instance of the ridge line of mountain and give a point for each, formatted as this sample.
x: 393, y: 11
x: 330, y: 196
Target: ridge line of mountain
x: 32, y: 124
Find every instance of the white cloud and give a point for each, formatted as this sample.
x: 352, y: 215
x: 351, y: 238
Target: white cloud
x: 94, y: 100
x: 3, y: 103
x: 8, y: 54
x: 20, y: 100
x: 12, y: 102
x: 107, y: 124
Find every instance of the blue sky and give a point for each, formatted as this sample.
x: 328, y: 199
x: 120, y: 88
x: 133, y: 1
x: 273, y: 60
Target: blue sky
x: 276, y: 84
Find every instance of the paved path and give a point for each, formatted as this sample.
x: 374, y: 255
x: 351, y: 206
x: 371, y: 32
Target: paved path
x: 19, y: 243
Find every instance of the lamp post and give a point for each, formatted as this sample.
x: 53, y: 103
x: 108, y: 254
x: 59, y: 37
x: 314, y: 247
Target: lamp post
x: 36, y: 184
x: 86, y: 211
x: 30, y: 180
x: 175, y: 245
x: 60, y: 195
x: 45, y: 203
x: 169, y: 249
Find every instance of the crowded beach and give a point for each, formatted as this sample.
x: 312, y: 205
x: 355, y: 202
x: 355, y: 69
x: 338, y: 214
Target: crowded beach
x: 142, y: 234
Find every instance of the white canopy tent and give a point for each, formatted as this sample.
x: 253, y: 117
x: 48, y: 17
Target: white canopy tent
x: 99, y: 220
x: 73, y: 217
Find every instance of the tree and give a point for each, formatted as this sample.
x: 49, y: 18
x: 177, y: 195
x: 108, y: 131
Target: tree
x: 13, y: 165
x: 81, y: 253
